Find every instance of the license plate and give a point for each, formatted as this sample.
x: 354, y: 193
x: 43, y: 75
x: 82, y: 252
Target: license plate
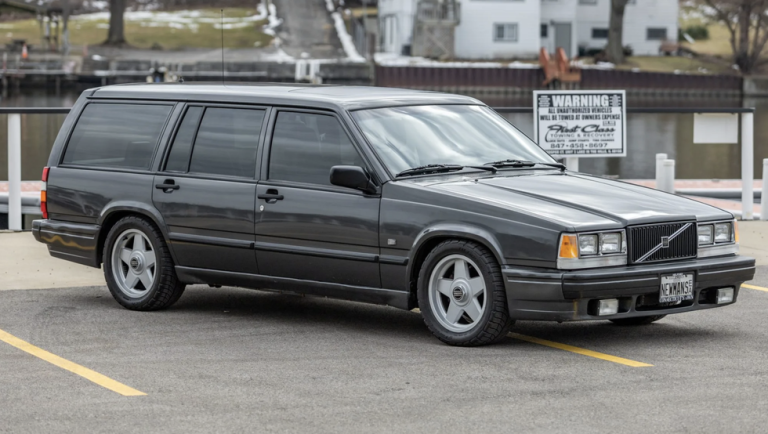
x: 676, y: 287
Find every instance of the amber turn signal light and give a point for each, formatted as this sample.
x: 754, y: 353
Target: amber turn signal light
x: 569, y: 246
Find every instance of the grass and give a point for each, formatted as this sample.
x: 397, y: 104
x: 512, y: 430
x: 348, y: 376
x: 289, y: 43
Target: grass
x: 675, y: 63
x: 170, y: 30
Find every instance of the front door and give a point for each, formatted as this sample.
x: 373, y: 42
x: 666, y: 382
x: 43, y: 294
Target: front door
x: 307, y: 228
x: 206, y: 190
x: 563, y: 37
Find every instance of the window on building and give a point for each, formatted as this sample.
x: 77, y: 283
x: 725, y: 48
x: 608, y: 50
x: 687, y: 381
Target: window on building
x: 226, y: 142
x: 544, y: 30
x: 116, y: 135
x: 587, y: 2
x: 305, y: 146
x: 505, y: 32
x: 656, y: 34
x: 599, y: 33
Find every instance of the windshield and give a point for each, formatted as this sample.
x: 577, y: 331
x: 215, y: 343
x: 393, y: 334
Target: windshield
x: 466, y: 135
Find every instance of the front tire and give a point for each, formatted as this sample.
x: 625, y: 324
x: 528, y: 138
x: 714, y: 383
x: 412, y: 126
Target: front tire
x: 138, y: 266
x: 462, y: 296
x: 640, y: 320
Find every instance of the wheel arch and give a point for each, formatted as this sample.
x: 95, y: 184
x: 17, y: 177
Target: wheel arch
x: 431, y: 237
x: 115, y: 211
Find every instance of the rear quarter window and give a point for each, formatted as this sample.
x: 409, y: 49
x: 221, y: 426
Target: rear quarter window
x: 116, y: 135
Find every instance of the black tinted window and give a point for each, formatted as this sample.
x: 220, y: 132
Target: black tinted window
x: 306, y: 146
x: 178, y: 159
x: 226, y: 142
x: 116, y: 135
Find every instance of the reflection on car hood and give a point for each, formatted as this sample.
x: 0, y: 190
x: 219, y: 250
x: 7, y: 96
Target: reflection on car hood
x: 579, y: 200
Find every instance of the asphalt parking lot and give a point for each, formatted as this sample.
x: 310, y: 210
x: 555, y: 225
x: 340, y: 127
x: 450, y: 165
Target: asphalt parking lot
x: 233, y: 360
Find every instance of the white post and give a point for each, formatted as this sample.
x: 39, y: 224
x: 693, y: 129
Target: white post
x: 659, y: 167
x: 764, y: 192
x: 747, y: 169
x: 572, y: 163
x: 14, y: 172
x: 668, y: 176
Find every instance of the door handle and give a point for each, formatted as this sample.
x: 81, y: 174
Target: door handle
x: 167, y: 186
x: 271, y: 196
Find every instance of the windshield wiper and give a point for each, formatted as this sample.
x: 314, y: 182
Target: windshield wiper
x: 440, y: 168
x: 511, y: 163
x: 430, y: 168
x: 522, y: 163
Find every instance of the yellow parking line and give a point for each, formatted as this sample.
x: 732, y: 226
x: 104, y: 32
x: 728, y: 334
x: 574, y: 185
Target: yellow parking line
x: 759, y: 288
x: 82, y: 371
x: 578, y: 350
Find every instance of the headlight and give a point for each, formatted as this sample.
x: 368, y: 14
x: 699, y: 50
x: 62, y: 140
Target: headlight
x: 601, y: 249
x: 718, y: 239
x: 587, y: 244
x: 610, y: 243
x: 723, y: 233
x: 705, y: 235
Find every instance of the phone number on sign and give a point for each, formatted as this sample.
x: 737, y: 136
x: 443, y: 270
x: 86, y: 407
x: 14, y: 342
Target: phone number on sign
x: 578, y: 145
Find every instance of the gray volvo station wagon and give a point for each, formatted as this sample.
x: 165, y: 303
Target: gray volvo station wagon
x: 395, y: 197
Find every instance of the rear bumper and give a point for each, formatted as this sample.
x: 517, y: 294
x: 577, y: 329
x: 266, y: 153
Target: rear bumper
x: 74, y: 242
x: 556, y: 295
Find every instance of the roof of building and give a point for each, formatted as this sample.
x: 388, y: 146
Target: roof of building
x: 344, y: 97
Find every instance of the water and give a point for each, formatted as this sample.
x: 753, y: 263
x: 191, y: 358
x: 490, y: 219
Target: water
x: 647, y: 135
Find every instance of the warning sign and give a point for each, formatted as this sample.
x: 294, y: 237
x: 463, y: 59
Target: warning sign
x: 581, y: 123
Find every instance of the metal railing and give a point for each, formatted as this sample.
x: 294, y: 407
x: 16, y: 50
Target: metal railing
x: 747, y: 152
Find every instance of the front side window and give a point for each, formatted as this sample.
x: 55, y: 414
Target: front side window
x: 116, y: 135
x: 225, y: 143
x: 505, y: 32
x: 306, y: 145
x: 466, y: 135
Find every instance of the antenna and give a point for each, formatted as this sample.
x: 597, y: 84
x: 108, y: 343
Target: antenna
x: 222, y: 46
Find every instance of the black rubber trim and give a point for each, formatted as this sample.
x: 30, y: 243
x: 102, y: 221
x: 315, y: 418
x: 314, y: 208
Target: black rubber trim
x: 211, y: 241
x: 314, y: 251
x: 393, y: 260
x: 68, y: 228
x: 390, y: 297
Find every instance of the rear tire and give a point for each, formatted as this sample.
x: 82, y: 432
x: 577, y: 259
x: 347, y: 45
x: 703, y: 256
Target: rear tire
x: 138, y: 266
x: 640, y: 320
x: 462, y: 296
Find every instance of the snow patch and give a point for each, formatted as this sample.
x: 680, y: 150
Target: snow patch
x: 346, y: 40
x: 390, y: 59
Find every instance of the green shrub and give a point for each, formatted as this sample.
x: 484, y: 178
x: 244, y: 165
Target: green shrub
x: 698, y: 32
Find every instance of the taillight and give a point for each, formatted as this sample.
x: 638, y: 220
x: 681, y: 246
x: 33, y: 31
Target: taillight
x: 43, y: 194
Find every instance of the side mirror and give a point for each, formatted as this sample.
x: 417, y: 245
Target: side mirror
x: 352, y: 177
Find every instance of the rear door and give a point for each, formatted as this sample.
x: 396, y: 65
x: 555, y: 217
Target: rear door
x: 207, y: 186
x: 309, y: 229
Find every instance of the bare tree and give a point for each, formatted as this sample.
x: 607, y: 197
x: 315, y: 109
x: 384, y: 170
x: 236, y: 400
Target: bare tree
x: 615, y: 48
x: 116, y: 33
x: 746, y: 21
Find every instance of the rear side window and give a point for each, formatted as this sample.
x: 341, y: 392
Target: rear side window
x: 178, y: 159
x: 305, y: 146
x: 116, y: 135
x: 224, y: 144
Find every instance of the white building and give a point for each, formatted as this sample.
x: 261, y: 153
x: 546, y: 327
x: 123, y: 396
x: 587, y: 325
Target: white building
x: 499, y: 29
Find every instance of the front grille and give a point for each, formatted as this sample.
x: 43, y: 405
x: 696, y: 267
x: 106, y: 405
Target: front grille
x: 643, y: 239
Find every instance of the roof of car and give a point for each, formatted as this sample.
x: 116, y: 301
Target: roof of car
x: 323, y: 96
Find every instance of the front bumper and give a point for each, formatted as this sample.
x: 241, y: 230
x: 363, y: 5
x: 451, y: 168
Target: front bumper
x: 558, y: 295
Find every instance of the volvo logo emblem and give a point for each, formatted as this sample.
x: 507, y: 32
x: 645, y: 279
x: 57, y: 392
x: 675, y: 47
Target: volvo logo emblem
x: 458, y: 293
x: 664, y: 242
x: 134, y: 263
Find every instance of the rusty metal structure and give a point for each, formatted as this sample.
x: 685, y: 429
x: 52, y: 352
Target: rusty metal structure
x: 434, y: 28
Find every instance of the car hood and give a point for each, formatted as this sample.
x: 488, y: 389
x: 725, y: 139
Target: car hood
x: 579, y: 201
